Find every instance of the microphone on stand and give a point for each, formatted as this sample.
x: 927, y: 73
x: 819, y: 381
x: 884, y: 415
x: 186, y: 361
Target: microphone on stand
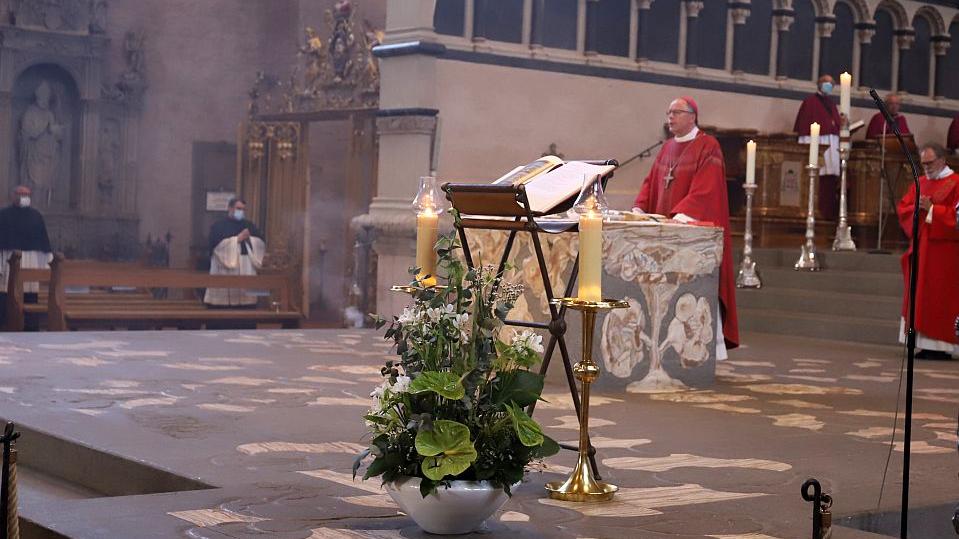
x: 643, y: 154
x: 911, y: 322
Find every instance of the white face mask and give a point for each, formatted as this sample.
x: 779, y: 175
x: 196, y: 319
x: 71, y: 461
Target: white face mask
x: 238, y: 215
x: 25, y: 202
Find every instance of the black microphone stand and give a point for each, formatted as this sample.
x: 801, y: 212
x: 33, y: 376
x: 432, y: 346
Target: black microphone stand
x: 643, y: 154
x: 911, y: 331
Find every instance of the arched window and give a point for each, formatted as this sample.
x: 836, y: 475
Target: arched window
x: 951, y: 84
x: 664, y: 31
x: 880, y: 55
x: 712, y: 35
x: 840, y: 44
x: 556, y: 25
x: 916, y: 66
x: 449, y: 17
x: 612, y: 27
x: 802, y: 35
x: 759, y: 29
x: 498, y: 20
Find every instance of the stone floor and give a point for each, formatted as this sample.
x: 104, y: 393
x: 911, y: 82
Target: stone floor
x: 270, y: 422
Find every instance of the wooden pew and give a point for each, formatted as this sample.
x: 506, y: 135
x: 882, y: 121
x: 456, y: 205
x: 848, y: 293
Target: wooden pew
x: 66, y: 313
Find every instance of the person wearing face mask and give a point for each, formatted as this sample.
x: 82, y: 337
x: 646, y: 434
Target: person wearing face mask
x: 22, y: 229
x: 936, y: 299
x: 236, y: 248
x: 820, y: 108
x: 877, y: 125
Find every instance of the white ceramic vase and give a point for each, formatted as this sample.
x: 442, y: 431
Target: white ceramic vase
x: 461, y: 508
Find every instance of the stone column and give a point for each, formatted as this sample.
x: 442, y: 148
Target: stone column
x: 592, y: 27
x: 693, y: 7
x: 539, y: 24
x: 941, y: 47
x: 904, y: 41
x: 824, y: 28
x: 642, y: 44
x: 783, y: 19
x: 405, y: 124
x: 479, y: 18
x: 739, y: 12
x: 864, y: 32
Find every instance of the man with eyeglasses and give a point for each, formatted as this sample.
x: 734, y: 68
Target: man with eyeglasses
x: 937, y: 301
x: 688, y: 183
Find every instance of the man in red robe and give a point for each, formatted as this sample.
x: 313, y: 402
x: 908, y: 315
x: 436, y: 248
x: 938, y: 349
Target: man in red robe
x: 877, y: 125
x: 937, y: 299
x: 952, y: 140
x: 820, y: 108
x: 688, y: 183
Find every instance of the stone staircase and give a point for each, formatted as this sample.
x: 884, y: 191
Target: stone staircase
x: 856, y: 297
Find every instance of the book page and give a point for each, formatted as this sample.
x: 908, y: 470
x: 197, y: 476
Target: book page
x: 549, y: 190
x: 523, y: 174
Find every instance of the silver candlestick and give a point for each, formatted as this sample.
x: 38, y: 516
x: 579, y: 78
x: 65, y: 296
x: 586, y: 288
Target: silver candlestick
x: 748, y: 276
x: 843, y: 241
x: 808, y: 260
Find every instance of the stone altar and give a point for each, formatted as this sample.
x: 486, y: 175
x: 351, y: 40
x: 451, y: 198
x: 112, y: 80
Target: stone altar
x: 669, y: 274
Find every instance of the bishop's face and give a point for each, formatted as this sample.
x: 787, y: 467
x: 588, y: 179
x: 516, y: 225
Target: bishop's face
x: 680, y: 118
x: 931, y: 164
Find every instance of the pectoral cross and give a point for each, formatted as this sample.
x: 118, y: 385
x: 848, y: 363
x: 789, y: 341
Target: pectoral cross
x: 668, y: 178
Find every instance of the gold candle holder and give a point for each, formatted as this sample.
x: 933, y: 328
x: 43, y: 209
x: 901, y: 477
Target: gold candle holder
x: 581, y: 485
x: 412, y: 290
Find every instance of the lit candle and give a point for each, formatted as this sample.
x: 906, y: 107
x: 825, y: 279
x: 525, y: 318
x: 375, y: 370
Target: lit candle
x: 814, y: 144
x: 427, y: 228
x: 591, y: 256
x: 751, y: 163
x: 845, y: 84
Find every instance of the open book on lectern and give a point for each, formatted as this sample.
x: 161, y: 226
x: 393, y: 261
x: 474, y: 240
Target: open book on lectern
x: 549, y: 181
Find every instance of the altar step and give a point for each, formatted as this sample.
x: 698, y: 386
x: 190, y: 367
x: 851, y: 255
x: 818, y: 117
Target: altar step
x: 857, y: 297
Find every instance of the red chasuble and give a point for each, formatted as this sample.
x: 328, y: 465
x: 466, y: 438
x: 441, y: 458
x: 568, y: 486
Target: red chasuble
x: 876, y: 124
x: 952, y: 141
x: 690, y: 178
x: 820, y: 109
x: 937, y: 299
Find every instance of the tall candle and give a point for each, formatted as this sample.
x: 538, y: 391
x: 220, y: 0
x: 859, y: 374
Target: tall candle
x: 751, y: 163
x: 814, y: 144
x: 845, y: 84
x: 427, y: 228
x: 590, y: 257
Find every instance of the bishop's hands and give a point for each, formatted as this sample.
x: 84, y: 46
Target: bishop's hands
x: 243, y: 235
x: 925, y: 203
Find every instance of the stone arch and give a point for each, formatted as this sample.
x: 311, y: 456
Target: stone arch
x: 860, y: 9
x: 934, y: 18
x: 898, y: 12
x: 822, y: 8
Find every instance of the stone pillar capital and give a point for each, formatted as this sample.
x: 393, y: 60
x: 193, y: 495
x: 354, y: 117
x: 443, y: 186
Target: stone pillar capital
x: 905, y: 41
x: 783, y: 22
x: 693, y: 7
x: 865, y: 35
x: 824, y: 27
x: 740, y: 14
x: 941, y: 46
x: 644, y: 4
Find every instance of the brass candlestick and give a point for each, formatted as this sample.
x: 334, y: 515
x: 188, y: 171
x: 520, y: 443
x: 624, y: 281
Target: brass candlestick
x: 581, y: 485
x: 412, y: 290
x: 808, y: 260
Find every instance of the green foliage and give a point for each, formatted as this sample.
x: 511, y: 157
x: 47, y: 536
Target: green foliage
x: 451, y: 405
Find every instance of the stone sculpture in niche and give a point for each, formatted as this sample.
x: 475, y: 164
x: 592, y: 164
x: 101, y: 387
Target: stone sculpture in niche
x: 69, y: 15
x: 98, y: 17
x: 39, y: 141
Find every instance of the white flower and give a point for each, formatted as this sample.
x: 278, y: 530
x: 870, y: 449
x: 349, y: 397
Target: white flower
x: 409, y: 315
x: 377, y: 396
x: 528, y: 339
x: 463, y: 324
x: 402, y: 384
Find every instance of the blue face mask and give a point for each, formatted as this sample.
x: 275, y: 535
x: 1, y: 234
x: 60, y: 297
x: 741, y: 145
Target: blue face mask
x: 238, y: 215
x: 826, y: 88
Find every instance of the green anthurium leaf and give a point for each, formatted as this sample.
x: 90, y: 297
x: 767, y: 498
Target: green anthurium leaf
x: 528, y: 431
x: 520, y: 387
x: 547, y: 449
x: 448, y: 449
x: 444, y: 384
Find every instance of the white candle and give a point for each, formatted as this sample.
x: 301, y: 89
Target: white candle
x: 427, y: 228
x: 814, y: 144
x: 845, y: 84
x: 590, y: 257
x: 751, y: 163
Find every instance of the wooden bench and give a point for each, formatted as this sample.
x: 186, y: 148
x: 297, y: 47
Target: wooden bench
x: 134, y: 309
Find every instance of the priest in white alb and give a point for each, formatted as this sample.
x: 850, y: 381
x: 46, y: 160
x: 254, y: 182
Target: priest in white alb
x: 236, y: 248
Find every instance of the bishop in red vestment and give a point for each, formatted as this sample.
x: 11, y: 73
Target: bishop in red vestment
x: 877, y: 125
x: 820, y: 108
x: 937, y: 299
x: 688, y: 182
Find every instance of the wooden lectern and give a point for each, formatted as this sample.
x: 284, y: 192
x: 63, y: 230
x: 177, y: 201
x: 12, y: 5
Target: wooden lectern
x: 507, y: 208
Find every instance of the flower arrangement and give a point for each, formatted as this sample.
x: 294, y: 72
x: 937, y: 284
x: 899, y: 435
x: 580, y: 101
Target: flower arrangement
x: 451, y: 407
